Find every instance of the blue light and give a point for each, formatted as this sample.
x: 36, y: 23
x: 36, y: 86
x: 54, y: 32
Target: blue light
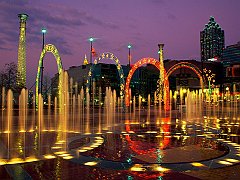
x: 44, y: 30
x: 91, y: 39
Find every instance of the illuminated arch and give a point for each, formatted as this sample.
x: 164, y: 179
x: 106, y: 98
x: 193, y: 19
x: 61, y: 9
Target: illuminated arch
x: 188, y: 65
x: 47, y: 48
x: 141, y: 62
x: 111, y: 56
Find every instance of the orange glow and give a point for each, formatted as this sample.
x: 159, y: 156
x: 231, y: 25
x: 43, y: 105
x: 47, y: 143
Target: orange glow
x: 139, y: 63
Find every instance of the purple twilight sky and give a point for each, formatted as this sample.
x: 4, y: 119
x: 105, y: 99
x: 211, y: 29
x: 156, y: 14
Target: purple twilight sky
x: 114, y: 24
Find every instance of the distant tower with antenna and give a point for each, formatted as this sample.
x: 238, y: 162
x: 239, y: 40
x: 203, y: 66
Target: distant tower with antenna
x: 21, y: 76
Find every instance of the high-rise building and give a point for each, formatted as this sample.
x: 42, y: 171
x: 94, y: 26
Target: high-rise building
x: 21, y: 77
x: 212, y: 41
x: 231, y: 62
x: 231, y: 55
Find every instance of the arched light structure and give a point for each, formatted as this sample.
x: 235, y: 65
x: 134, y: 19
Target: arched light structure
x: 47, y: 48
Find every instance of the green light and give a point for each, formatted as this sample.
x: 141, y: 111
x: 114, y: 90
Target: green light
x: 44, y: 30
x: 158, y: 52
x: 91, y: 39
x: 129, y: 177
x: 129, y: 160
x: 129, y: 46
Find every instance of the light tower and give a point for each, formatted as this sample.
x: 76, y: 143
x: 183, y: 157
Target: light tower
x: 161, y: 78
x: 91, y: 48
x: 129, y: 55
x: 91, y: 39
x: 21, y: 77
x: 44, y: 31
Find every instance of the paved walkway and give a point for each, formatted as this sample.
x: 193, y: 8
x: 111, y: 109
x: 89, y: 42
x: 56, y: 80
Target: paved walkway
x: 230, y: 172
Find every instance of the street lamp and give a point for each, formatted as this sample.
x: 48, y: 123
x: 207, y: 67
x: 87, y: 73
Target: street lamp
x: 91, y: 39
x: 44, y: 31
x: 129, y: 54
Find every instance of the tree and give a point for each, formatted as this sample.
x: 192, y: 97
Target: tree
x: 8, y: 76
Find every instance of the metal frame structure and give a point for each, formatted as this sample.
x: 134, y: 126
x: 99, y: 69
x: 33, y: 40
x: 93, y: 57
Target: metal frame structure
x: 138, y: 64
x: 47, y: 48
x: 111, y: 56
x: 188, y: 65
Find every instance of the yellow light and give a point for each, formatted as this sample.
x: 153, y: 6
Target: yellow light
x: 22, y: 131
x: 232, y: 160
x: 161, y: 169
x: 49, y: 156
x: 224, y: 162
x: 151, y: 132
x: 167, y: 136
x: 197, y: 164
x: 91, y: 163
x: 98, y: 138
x: 59, y: 142
x: 227, y: 141
x: 68, y: 157
x: 15, y: 161
x: 2, y: 162
x: 62, y: 155
x: 61, y: 152
x: 87, y: 148
x: 62, y: 141
x: 94, y: 145
x: 31, y: 159
x: 234, y: 144
x: 56, y: 147
x: 82, y: 150
x: 137, y: 167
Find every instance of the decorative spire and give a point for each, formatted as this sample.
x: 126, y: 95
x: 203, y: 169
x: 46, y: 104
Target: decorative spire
x: 85, y: 62
x: 21, y: 76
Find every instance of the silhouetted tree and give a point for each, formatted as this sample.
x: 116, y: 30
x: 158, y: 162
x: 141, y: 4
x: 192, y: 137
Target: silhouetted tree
x: 8, y: 76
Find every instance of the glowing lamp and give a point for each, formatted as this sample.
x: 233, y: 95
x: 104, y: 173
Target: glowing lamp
x: 44, y: 30
x: 91, y: 39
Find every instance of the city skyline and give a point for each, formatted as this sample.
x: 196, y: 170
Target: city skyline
x: 114, y: 24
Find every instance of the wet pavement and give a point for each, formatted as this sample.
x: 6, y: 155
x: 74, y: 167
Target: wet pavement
x: 153, y: 148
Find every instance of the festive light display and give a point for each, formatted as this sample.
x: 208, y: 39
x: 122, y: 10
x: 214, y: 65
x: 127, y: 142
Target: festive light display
x: 189, y: 66
x: 210, y: 79
x: 160, y: 92
x: 21, y: 73
x: 141, y: 62
x: 47, y: 48
x: 111, y: 56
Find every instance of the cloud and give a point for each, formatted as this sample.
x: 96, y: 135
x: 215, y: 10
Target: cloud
x: 58, y: 18
x: 171, y: 16
x: 61, y: 45
x: 5, y: 49
x: 158, y: 1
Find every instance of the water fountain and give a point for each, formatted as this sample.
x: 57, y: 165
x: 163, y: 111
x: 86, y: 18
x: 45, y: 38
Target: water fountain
x: 101, y: 134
